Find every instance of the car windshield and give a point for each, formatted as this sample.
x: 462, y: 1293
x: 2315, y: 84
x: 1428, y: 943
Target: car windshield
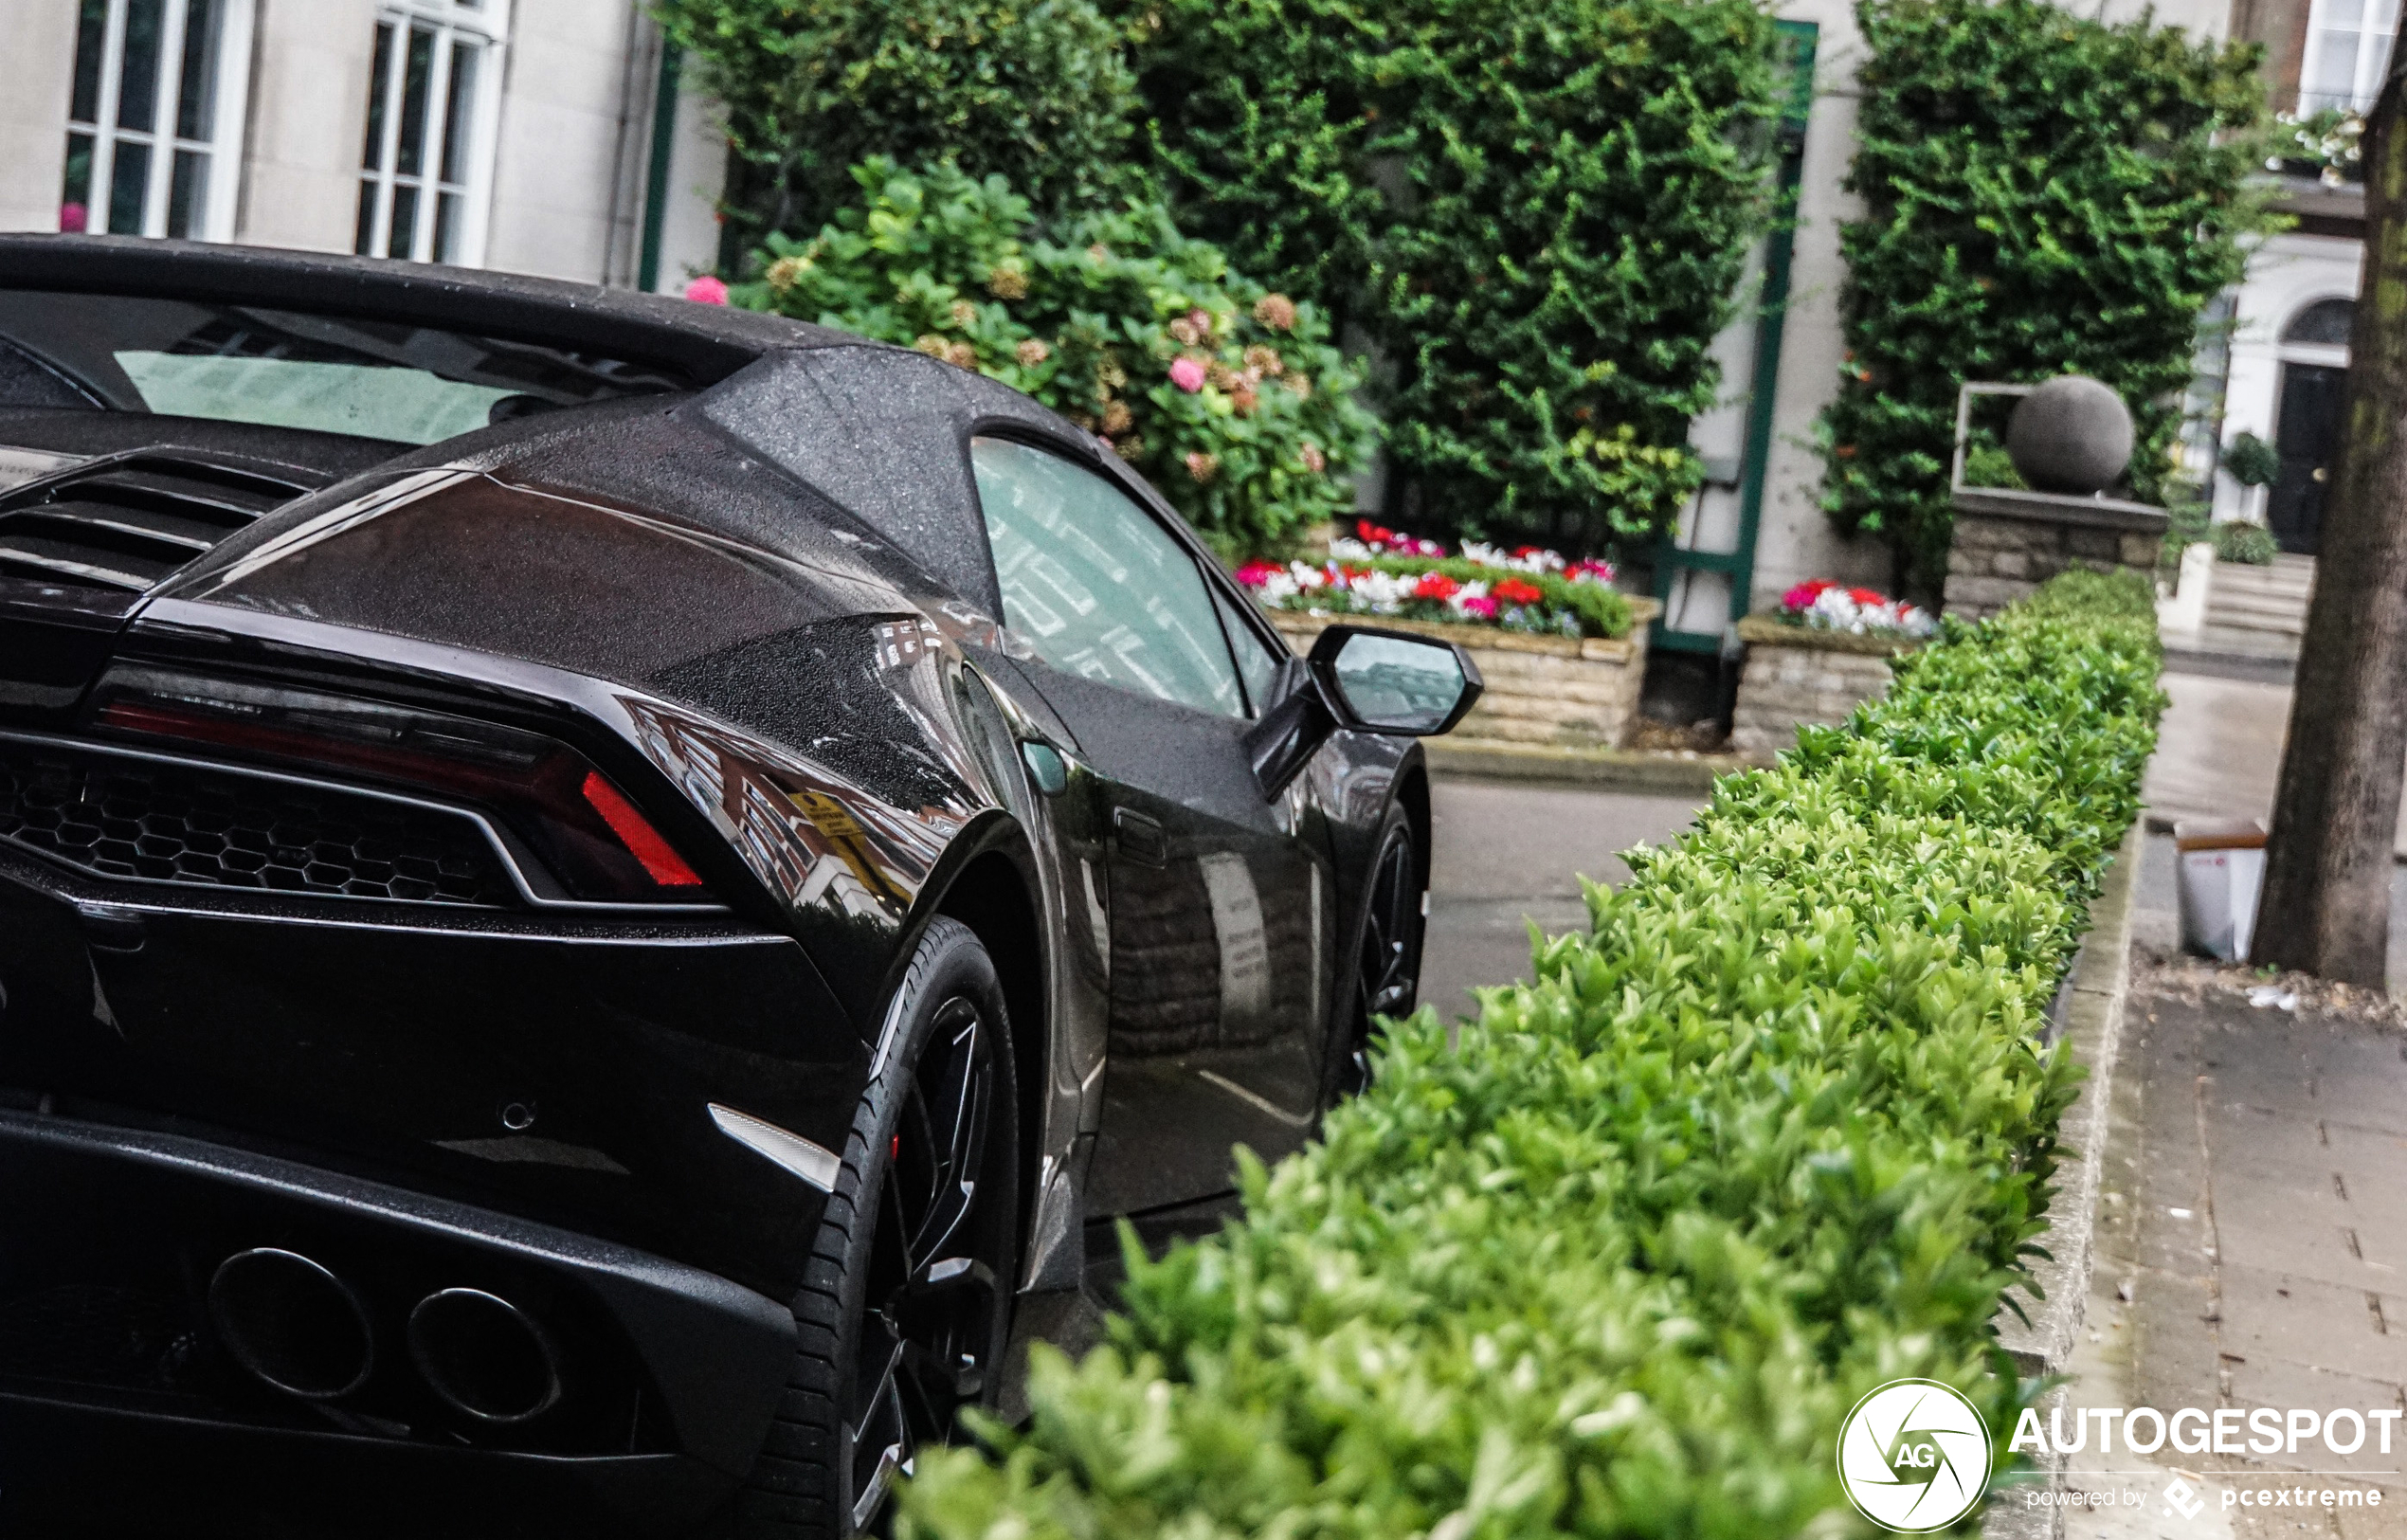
x: 393, y: 381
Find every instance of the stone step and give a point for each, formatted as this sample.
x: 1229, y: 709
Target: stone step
x: 2272, y: 606
x: 2261, y: 581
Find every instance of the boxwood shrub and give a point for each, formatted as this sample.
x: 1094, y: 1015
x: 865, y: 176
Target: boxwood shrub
x: 1778, y: 1128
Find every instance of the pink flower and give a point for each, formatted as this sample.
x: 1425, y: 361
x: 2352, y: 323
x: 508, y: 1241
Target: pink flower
x: 1482, y: 607
x: 1187, y: 374
x: 706, y: 290
x: 72, y: 218
x: 1803, y: 595
x: 1255, y: 574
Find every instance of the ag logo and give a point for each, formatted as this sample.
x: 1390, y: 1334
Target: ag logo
x: 1914, y: 1455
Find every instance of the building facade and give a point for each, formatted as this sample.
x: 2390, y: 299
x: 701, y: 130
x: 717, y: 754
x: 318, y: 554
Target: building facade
x: 553, y: 138
x: 532, y: 135
x: 2289, y: 348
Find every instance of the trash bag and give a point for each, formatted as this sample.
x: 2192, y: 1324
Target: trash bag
x: 2223, y: 870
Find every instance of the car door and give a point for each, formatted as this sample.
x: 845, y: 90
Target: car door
x: 1221, y: 905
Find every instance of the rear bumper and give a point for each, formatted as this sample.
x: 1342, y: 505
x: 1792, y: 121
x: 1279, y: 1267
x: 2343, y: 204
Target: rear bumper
x: 112, y: 1366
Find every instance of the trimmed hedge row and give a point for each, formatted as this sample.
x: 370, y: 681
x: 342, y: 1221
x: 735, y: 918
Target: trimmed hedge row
x: 1777, y: 1129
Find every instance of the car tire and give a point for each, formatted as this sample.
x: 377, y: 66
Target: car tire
x: 1384, y: 977
x: 905, y: 1305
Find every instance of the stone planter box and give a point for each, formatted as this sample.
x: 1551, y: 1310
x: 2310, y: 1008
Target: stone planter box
x: 1794, y: 674
x: 2007, y: 543
x: 1541, y: 689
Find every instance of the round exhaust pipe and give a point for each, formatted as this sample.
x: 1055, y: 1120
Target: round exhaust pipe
x: 292, y: 1324
x: 484, y: 1357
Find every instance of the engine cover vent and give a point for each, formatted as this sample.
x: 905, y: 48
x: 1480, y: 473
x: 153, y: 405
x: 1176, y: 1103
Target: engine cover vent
x: 126, y: 523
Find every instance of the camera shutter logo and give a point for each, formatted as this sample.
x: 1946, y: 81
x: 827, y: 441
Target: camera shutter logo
x: 1914, y: 1455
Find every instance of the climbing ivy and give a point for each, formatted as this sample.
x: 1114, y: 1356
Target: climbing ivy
x: 1535, y: 211
x: 1034, y: 91
x: 2044, y: 194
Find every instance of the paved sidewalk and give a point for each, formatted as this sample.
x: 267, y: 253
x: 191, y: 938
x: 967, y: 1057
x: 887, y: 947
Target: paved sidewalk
x: 2251, y: 1252
x: 2219, y: 751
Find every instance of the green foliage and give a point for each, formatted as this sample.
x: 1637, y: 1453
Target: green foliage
x: 2327, y: 145
x: 1036, y: 91
x: 1777, y: 1129
x: 2251, y: 462
x: 2187, y: 522
x: 1986, y: 464
x: 2045, y: 194
x: 1537, y: 210
x: 1092, y: 327
x: 2250, y: 545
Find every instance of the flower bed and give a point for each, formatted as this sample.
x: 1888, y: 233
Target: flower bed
x: 1812, y: 662
x: 1531, y: 591
x: 1777, y: 1129
x: 1819, y: 605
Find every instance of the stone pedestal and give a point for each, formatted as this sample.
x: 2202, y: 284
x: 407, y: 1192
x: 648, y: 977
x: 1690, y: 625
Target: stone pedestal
x: 1581, y: 693
x: 1796, y: 675
x: 2007, y: 543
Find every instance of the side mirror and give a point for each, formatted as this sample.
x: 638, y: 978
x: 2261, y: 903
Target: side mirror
x: 1394, y: 682
x: 1371, y: 681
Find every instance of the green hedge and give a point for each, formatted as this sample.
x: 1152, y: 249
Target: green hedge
x: 2044, y: 194
x: 1777, y: 1129
x: 1539, y: 210
x: 1034, y: 91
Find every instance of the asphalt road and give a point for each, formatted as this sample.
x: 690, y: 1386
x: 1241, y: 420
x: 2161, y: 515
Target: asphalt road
x: 1509, y: 854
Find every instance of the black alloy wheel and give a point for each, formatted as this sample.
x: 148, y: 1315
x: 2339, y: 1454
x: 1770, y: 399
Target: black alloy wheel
x: 904, y: 1310
x: 1387, y: 960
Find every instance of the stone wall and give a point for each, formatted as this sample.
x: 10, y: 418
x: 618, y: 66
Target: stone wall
x: 2008, y: 543
x: 1794, y: 676
x: 1581, y: 693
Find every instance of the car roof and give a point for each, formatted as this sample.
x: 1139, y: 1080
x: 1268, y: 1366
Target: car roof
x: 703, y: 343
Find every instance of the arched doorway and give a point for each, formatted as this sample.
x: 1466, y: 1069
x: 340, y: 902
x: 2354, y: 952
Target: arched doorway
x: 2314, y: 357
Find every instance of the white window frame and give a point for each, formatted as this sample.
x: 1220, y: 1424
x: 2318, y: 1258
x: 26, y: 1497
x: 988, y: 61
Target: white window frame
x: 2357, y: 93
x: 486, y: 25
x: 223, y: 146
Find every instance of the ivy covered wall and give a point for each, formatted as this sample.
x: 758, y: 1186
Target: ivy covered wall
x: 2043, y: 194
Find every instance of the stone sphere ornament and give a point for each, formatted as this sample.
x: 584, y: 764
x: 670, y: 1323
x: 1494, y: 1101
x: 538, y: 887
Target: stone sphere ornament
x: 2071, y: 435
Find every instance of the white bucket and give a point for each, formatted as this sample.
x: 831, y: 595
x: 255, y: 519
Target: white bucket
x: 2223, y: 870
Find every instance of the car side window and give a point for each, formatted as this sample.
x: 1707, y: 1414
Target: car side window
x: 1256, y: 659
x: 1096, y: 585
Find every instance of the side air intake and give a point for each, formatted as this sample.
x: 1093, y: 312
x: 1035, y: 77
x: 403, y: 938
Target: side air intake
x: 127, y: 524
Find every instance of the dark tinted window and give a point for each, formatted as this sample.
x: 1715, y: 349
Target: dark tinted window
x: 285, y: 369
x: 1096, y: 585
x: 2326, y: 323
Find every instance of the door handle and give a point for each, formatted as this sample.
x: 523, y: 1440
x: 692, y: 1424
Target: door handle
x: 1140, y: 838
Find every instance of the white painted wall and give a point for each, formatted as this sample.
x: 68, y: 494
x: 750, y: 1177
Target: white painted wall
x: 572, y: 133
x: 698, y: 175
x: 1795, y: 539
x: 2288, y: 274
x: 37, y: 61
x: 559, y: 189
x: 308, y: 120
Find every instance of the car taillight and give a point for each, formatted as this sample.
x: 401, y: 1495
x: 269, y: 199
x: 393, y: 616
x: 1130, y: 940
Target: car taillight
x: 546, y: 798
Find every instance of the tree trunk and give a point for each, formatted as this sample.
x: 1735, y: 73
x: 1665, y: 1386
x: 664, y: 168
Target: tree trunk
x: 2326, y: 904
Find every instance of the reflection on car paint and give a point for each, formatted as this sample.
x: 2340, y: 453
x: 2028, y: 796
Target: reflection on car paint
x: 812, y: 838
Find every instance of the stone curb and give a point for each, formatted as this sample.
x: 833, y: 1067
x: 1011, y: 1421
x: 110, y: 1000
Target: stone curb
x: 2088, y: 1011
x: 1620, y: 770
